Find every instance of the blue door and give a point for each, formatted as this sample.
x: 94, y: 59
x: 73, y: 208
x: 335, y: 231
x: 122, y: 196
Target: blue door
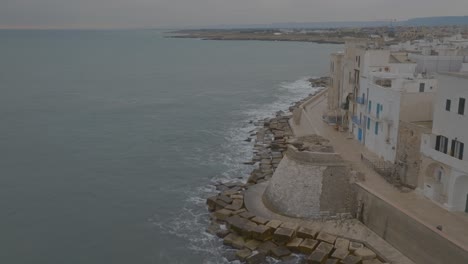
x: 360, y: 134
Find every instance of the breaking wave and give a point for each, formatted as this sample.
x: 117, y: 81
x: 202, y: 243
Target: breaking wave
x: 191, y: 222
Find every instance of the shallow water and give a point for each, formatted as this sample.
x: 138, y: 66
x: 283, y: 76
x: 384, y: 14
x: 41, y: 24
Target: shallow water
x: 110, y: 140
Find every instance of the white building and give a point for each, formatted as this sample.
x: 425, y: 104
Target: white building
x: 386, y: 98
x: 444, y: 170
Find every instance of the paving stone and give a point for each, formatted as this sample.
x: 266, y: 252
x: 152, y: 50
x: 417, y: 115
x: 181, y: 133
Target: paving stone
x: 274, y: 224
x: 243, y: 254
x: 350, y: 259
x: 280, y: 251
x: 252, y: 244
x: 261, y: 232
x: 305, y: 232
x: 283, y: 235
x: 317, y: 257
x: 294, y: 244
x: 257, y: 258
x: 326, y: 237
x: 325, y: 247
x: 247, y: 215
x: 266, y: 247
x: 308, y: 245
x: 225, y: 199
x: 222, y: 214
x: 290, y: 225
x: 342, y: 243
x: 260, y: 220
x: 340, y: 253
x: 365, y: 253
x: 353, y: 246
x: 247, y: 228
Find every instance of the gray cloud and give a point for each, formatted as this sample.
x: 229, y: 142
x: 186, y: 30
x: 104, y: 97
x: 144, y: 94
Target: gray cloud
x: 183, y: 13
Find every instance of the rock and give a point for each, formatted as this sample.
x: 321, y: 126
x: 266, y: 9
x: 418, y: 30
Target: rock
x: 213, y: 228
x: 353, y: 246
x: 232, y: 191
x: 266, y: 247
x: 289, y: 225
x: 294, y: 244
x: 372, y: 261
x: 230, y: 255
x: 247, y: 228
x: 332, y: 261
x: 304, y: 232
x: 252, y: 244
x: 350, y: 259
x: 308, y: 245
x: 211, y: 202
x: 238, y: 242
x: 237, y: 212
x: 290, y: 260
x: 220, y: 204
x: 325, y: 247
x: 325, y: 237
x: 340, y: 253
x: 274, y: 224
x: 260, y: 220
x: 237, y: 204
x: 222, y: 233
x: 257, y: 258
x: 261, y: 232
x: 365, y: 253
x: 317, y: 257
x: 222, y: 214
x: 342, y: 243
x: 243, y: 254
x: 237, y: 196
x: 229, y: 239
x: 225, y: 199
x: 247, y: 215
x: 280, y: 251
x: 283, y: 235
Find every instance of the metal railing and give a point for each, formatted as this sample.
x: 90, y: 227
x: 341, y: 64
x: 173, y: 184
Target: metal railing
x: 384, y: 168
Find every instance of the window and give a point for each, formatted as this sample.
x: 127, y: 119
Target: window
x: 421, y: 87
x: 457, y: 149
x: 441, y: 144
x: 370, y: 106
x: 447, y: 104
x: 378, y: 110
x: 376, y: 131
x: 368, y: 123
x: 461, y: 106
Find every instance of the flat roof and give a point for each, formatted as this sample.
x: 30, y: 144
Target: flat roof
x: 463, y: 75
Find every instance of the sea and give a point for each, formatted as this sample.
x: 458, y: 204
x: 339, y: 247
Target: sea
x: 110, y: 141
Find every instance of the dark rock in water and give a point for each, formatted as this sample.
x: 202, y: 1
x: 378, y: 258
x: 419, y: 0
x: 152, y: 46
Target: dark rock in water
x: 258, y: 258
x: 249, y: 163
x: 248, y: 140
x: 280, y: 251
x: 222, y: 233
x: 317, y: 257
x: 230, y: 255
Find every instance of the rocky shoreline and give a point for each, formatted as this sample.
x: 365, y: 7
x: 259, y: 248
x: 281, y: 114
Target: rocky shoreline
x: 254, y: 238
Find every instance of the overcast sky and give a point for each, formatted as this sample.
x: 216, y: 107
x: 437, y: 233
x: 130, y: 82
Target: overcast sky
x: 193, y: 13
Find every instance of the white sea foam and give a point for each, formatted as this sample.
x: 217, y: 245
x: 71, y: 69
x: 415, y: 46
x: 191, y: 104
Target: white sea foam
x: 190, y: 224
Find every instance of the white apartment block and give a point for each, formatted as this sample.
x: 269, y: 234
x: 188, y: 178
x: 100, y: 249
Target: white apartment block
x: 444, y: 168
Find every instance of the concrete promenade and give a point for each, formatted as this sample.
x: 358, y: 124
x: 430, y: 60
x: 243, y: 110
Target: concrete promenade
x: 415, y: 205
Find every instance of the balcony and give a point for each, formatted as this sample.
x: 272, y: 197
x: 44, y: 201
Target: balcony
x: 428, y: 149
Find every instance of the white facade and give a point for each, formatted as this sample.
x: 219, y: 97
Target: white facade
x: 445, y: 172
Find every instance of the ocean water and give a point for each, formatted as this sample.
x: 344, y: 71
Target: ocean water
x: 111, y: 140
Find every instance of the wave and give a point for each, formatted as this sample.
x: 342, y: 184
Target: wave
x: 192, y: 220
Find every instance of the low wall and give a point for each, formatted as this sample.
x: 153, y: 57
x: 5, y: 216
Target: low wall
x: 420, y: 243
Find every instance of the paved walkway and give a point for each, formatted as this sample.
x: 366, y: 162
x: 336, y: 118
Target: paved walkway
x: 455, y: 225
x: 351, y: 229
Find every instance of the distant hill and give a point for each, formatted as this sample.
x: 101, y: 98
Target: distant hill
x: 437, y: 21
x: 423, y: 21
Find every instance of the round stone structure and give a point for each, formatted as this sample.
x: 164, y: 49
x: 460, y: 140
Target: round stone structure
x: 311, y: 181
